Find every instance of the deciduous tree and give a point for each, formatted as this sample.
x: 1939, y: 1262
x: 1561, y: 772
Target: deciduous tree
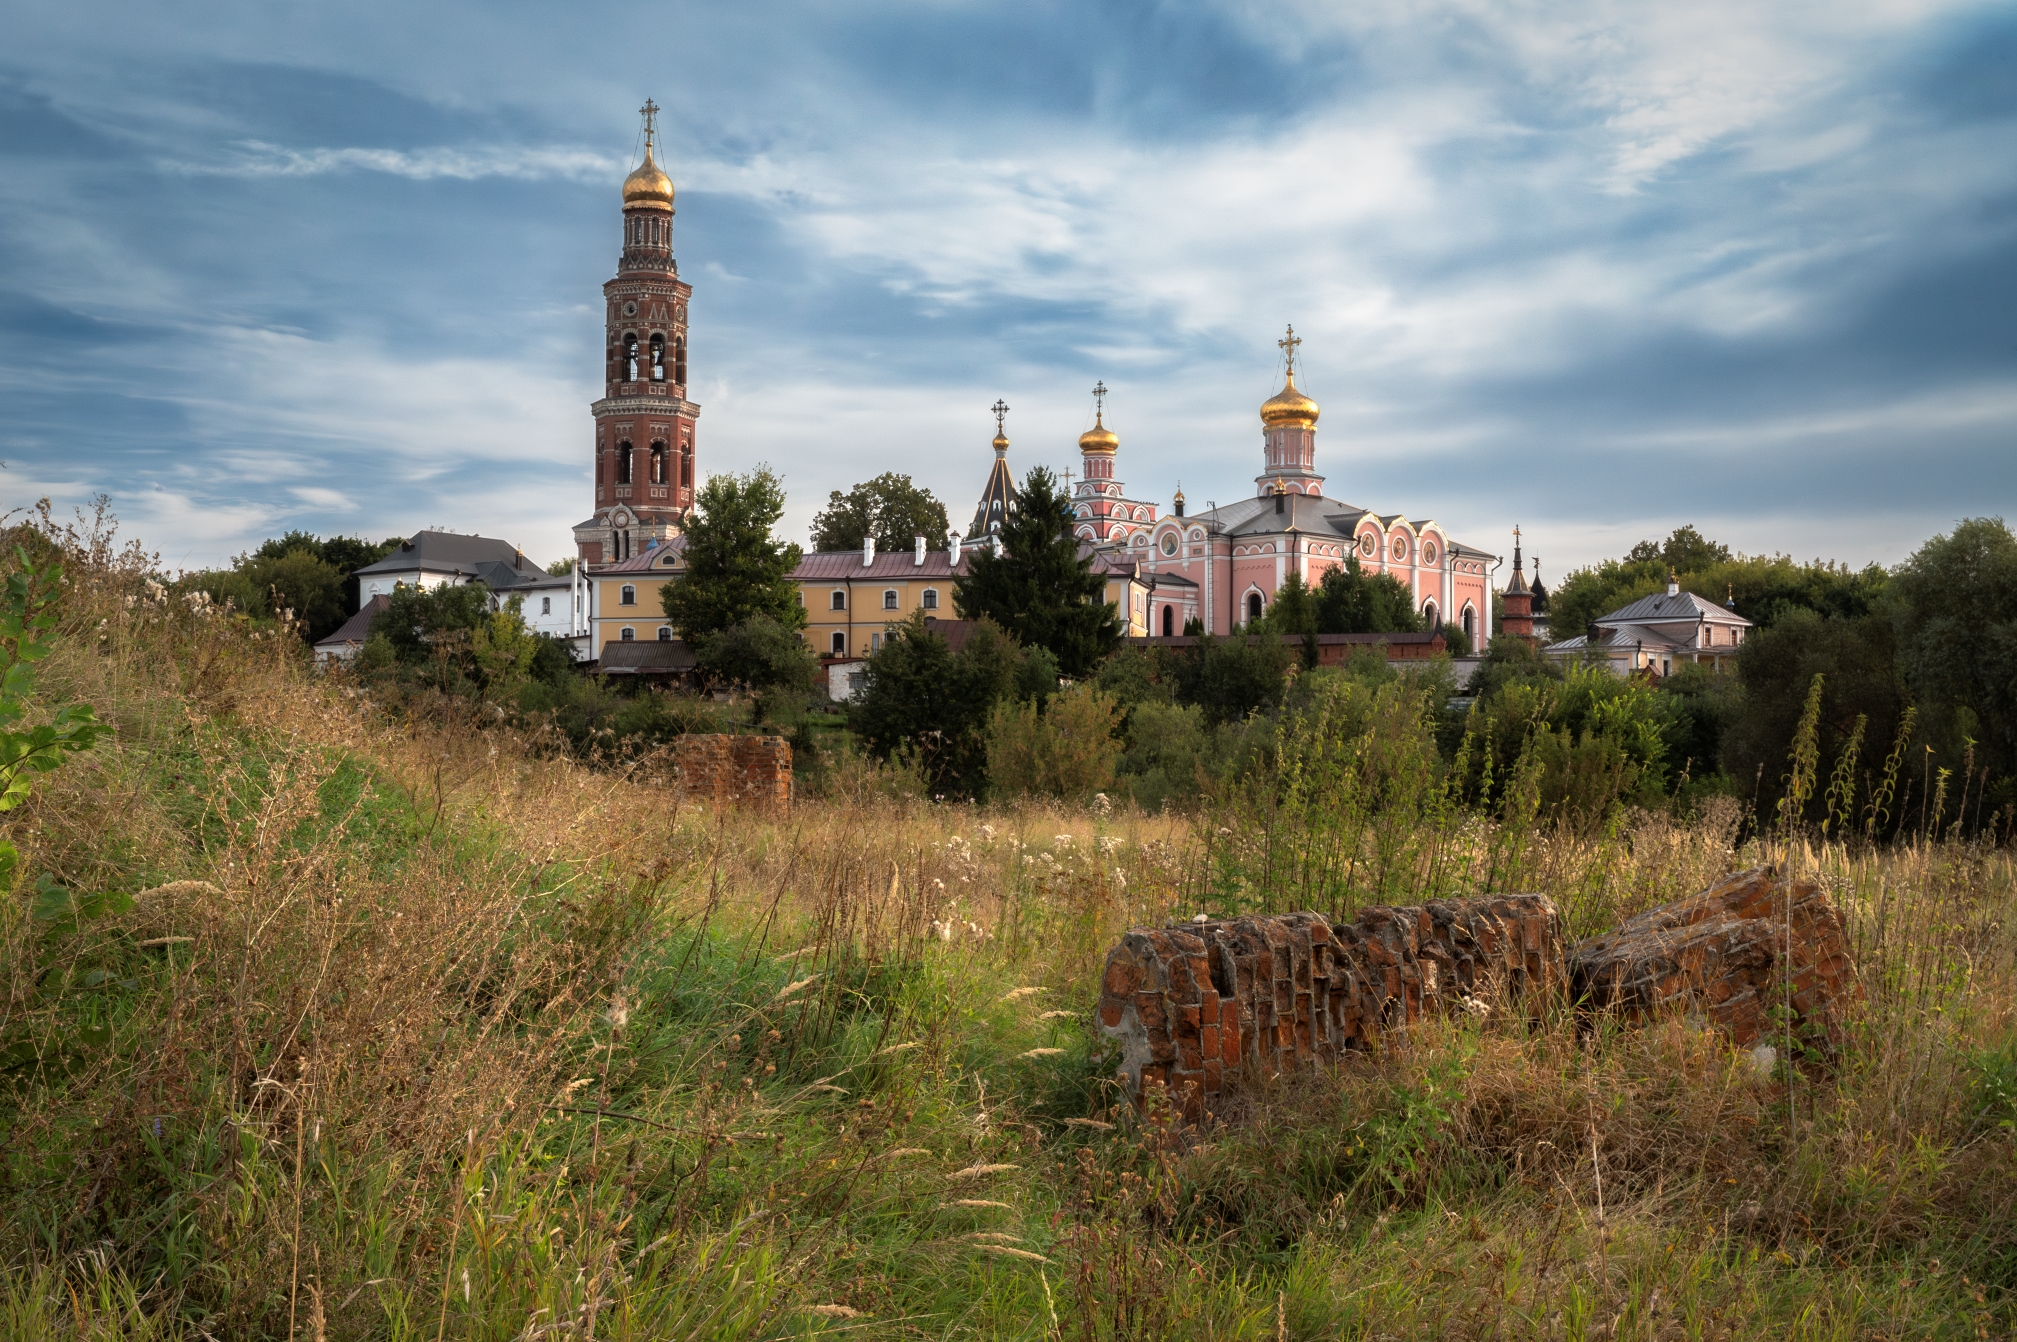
x: 736, y: 568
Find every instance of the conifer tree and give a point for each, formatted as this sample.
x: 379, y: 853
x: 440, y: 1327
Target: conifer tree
x: 1040, y: 589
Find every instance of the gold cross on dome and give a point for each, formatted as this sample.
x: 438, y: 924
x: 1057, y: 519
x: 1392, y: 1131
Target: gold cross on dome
x: 1099, y: 398
x: 650, y: 114
x: 1288, y: 343
x: 1001, y: 410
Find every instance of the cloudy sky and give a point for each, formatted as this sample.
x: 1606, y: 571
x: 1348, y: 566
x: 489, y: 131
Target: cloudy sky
x: 1595, y: 268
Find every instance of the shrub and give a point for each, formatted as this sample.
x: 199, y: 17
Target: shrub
x: 1066, y: 749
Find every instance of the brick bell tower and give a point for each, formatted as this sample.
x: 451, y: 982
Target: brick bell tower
x: 644, y: 425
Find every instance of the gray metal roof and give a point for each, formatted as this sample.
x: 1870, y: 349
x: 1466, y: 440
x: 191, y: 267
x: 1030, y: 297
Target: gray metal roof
x: 1660, y: 607
x: 449, y: 552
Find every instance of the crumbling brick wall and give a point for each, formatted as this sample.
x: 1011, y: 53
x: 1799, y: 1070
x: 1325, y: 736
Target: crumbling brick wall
x: 1193, y: 1004
x: 1725, y: 955
x: 752, y: 770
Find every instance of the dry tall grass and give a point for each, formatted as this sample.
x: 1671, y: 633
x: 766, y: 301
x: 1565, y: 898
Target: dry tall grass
x: 416, y: 1032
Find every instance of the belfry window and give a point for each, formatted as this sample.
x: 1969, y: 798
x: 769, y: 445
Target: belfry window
x: 658, y: 463
x: 686, y: 465
x: 679, y: 361
x: 630, y: 358
x: 658, y: 358
x: 623, y: 463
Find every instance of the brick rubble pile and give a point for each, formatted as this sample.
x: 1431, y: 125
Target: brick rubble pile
x: 722, y: 769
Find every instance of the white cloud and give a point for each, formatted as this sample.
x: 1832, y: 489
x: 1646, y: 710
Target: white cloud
x: 256, y: 158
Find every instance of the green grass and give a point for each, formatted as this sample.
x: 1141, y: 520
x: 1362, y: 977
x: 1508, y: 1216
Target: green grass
x: 469, y: 1042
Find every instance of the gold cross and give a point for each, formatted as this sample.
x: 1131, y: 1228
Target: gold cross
x: 1289, y: 343
x: 650, y: 114
x: 1000, y: 409
x: 1099, y: 398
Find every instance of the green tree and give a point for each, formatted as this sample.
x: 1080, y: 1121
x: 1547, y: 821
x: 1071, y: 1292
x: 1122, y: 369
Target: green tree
x: 1684, y: 551
x: 1350, y: 600
x: 560, y: 568
x: 890, y: 508
x: 451, y: 637
x: 735, y: 567
x: 1232, y: 677
x: 1040, y: 589
x: 919, y: 696
x: 1957, y: 637
x: 1858, y: 661
x: 763, y: 655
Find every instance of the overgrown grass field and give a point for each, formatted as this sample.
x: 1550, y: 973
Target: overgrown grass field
x: 322, y: 1023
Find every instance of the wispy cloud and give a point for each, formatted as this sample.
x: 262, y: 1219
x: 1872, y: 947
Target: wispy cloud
x: 256, y: 158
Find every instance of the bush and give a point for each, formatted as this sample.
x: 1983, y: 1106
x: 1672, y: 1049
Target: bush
x: 921, y: 698
x: 1067, y: 749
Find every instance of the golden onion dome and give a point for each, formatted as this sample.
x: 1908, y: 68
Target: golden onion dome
x: 1289, y: 406
x: 1099, y: 438
x: 648, y: 188
x: 1000, y: 443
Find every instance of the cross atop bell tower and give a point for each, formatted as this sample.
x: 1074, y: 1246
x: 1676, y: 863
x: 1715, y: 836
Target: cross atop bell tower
x: 645, y: 470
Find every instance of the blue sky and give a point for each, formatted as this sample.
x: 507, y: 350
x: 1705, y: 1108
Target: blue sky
x: 1595, y: 268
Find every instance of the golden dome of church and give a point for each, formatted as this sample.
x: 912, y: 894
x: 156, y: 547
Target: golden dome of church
x: 1099, y: 438
x: 1289, y: 406
x: 648, y: 188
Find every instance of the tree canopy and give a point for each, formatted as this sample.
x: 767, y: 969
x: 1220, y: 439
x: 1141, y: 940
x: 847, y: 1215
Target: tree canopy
x: 1761, y: 588
x: 1350, y: 600
x: 1956, y: 617
x: 1040, y: 589
x: 919, y: 695
x: 298, y: 571
x: 735, y: 567
x: 890, y: 508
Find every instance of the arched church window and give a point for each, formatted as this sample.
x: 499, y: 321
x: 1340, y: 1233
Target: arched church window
x: 686, y: 465
x: 1470, y: 633
x: 658, y: 463
x: 1254, y: 607
x: 679, y: 361
x: 658, y: 358
x: 1429, y: 614
x: 1169, y: 621
x: 630, y: 358
x: 623, y: 463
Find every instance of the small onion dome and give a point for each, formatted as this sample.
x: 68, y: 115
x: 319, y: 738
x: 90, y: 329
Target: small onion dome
x: 1099, y: 438
x: 1180, y: 495
x: 1289, y: 406
x: 648, y: 188
x: 1000, y: 443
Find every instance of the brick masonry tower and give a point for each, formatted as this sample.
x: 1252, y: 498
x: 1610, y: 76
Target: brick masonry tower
x: 644, y: 425
x: 1516, y: 603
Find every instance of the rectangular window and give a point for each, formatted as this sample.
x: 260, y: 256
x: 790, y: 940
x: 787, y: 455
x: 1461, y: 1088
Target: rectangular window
x: 546, y: 605
x: 931, y: 598
x: 889, y: 599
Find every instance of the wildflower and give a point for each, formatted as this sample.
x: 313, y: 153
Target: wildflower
x: 987, y: 833
x: 1062, y: 840
x: 1101, y: 803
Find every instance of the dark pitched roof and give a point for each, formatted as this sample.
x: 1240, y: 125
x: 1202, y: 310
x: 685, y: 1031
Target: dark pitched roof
x: 651, y: 657
x: 358, y: 627
x: 1660, y: 608
x: 449, y: 551
x: 997, y: 499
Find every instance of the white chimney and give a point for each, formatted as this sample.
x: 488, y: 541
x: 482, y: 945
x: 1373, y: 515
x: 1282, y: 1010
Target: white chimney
x: 994, y: 539
x: 867, y: 551
x: 918, y: 561
x: 952, y: 546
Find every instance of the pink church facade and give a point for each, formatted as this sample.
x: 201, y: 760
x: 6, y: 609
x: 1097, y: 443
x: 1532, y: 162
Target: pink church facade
x: 1223, y: 566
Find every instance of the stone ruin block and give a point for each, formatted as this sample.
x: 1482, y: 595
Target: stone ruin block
x: 1726, y: 956
x: 721, y: 769
x: 1194, y: 1004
